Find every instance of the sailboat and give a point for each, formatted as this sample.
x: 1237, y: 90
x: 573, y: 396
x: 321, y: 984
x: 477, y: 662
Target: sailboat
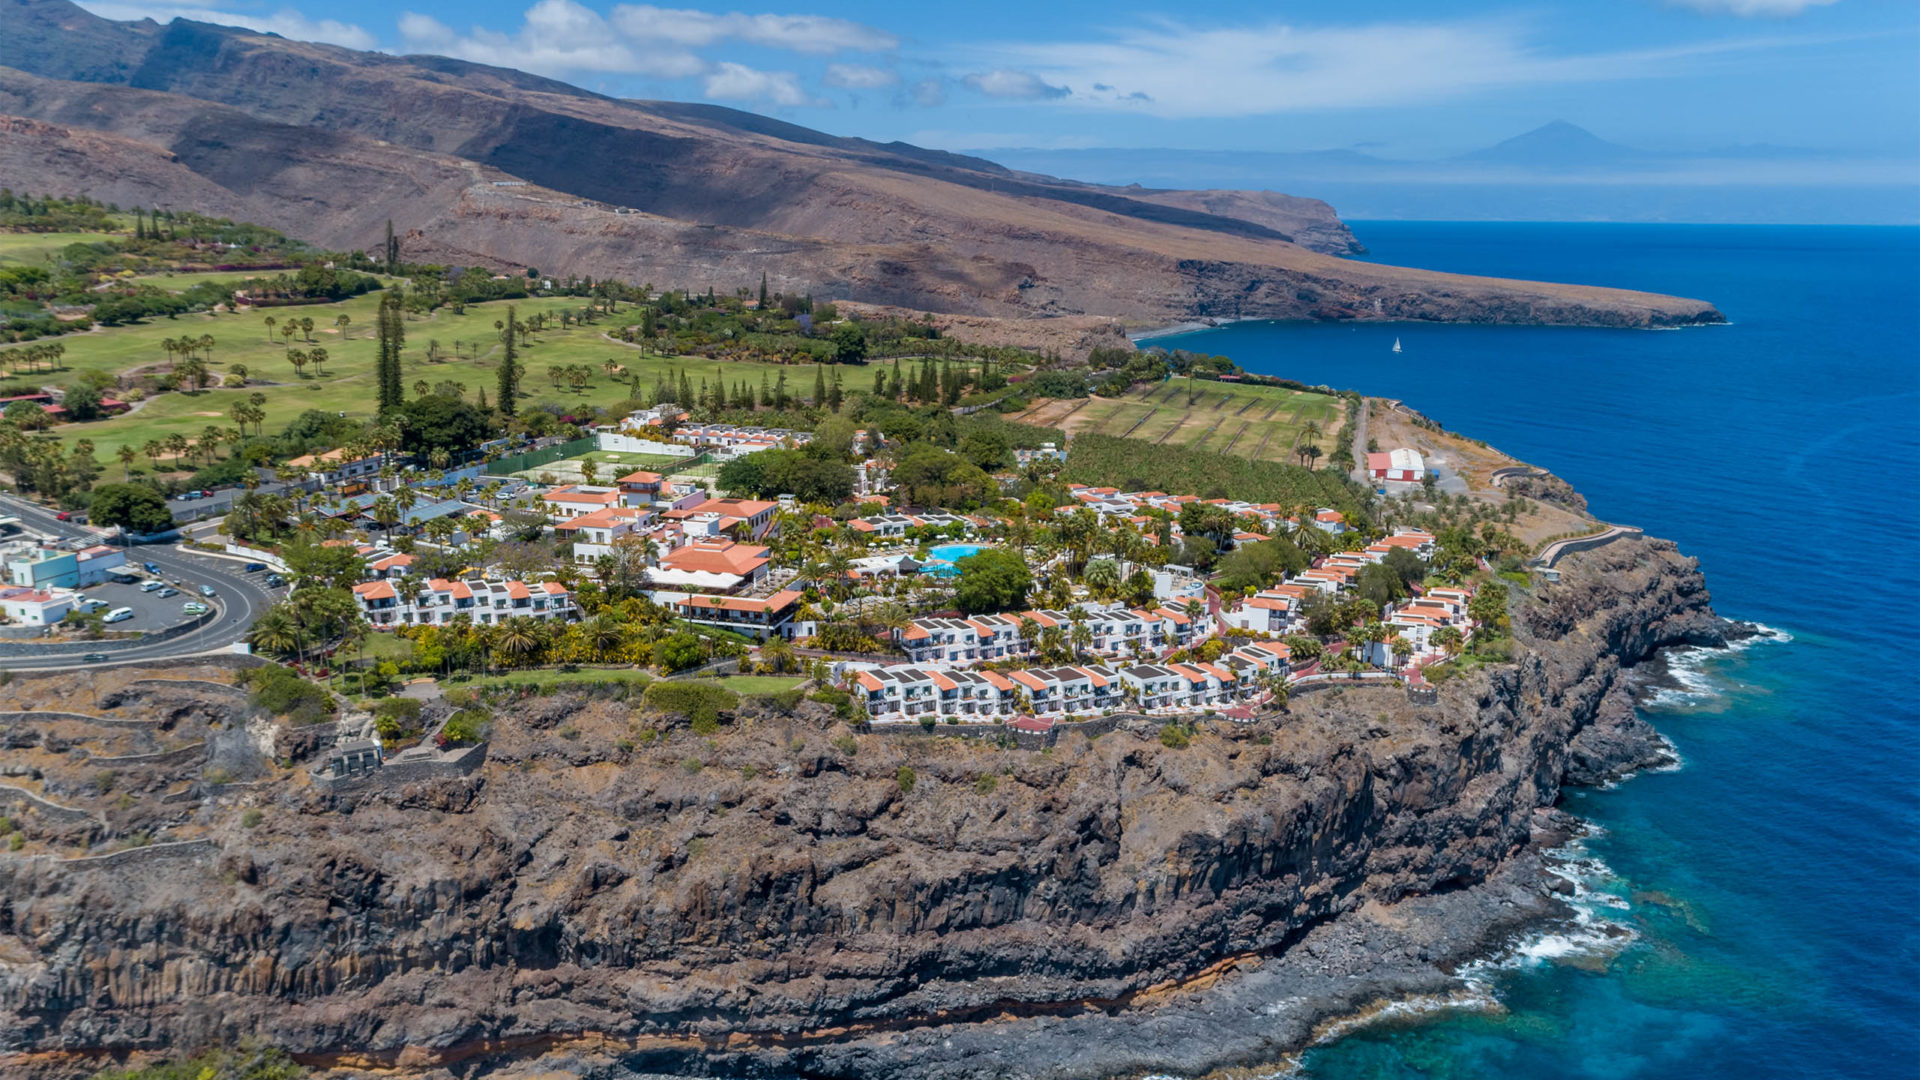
x: 1396, y: 344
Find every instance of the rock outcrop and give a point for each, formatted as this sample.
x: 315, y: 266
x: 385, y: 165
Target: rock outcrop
x: 769, y: 900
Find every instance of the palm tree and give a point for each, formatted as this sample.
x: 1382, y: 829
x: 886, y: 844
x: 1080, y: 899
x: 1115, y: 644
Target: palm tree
x: 605, y: 635
x: 176, y: 445
x: 518, y: 637
x: 342, y: 323
x: 318, y: 356
x: 126, y: 454
x: 306, y: 329
x: 385, y: 514
x: 271, y: 323
x: 299, y: 361
x: 275, y: 632
x: 1102, y: 578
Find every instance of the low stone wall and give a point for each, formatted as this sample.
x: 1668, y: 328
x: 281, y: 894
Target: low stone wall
x: 1563, y: 548
x: 52, y: 810
x: 199, y: 684
x: 176, y: 851
x: 1026, y: 740
x: 164, y: 757
x: 10, y: 650
x: 87, y: 718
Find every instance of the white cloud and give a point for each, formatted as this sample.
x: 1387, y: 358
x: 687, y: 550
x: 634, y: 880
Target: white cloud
x: 1009, y: 83
x: 557, y: 37
x: 738, y: 82
x: 859, y: 77
x: 286, y: 22
x: 927, y: 94
x: 816, y: 34
x: 1776, y: 8
x: 1175, y: 71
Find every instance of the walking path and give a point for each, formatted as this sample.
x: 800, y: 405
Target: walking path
x: 1552, y: 552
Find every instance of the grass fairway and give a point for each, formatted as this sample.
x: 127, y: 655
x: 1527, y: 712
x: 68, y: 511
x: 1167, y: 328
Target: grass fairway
x: 347, y: 385
x: 32, y: 249
x: 757, y: 684
x: 1256, y: 421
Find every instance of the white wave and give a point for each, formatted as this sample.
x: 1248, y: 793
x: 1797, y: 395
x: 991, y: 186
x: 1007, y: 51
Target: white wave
x: 1763, y: 635
x: 1692, y: 668
x: 1470, y: 996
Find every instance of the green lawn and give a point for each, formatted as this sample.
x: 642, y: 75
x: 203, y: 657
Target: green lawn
x: 609, y: 465
x: 347, y: 385
x: 33, y: 248
x: 552, y: 677
x: 1255, y: 421
x: 758, y: 684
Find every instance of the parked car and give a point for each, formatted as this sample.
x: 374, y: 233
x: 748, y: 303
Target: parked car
x: 119, y: 614
x: 152, y: 586
x: 186, y: 496
x: 151, y: 568
x: 169, y: 591
x: 85, y: 604
x: 275, y: 580
x: 194, y: 607
x: 255, y: 567
x: 207, y: 590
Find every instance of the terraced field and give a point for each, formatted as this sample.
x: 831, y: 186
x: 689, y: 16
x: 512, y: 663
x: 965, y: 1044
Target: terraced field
x: 1246, y: 421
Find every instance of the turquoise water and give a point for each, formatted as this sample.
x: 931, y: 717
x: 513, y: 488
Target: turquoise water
x: 941, y: 560
x: 1772, y: 881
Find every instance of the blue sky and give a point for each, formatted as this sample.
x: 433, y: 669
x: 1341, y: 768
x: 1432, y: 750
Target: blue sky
x: 1393, y: 78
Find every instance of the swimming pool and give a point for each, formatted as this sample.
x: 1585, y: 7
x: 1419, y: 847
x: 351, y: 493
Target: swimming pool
x: 941, y: 560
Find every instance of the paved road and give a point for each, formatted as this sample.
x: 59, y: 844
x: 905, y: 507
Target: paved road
x: 242, y: 597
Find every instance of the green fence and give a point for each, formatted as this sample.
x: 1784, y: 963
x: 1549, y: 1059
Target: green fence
x: 533, y: 459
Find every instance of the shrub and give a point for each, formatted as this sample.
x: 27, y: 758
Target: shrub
x: 700, y: 703
x: 846, y: 745
x: 251, y: 817
x: 1172, y: 737
x: 465, y: 726
x: 904, y: 777
x: 7, y: 826
x: 927, y: 723
x: 987, y: 784
x: 404, y: 710
x: 692, y: 765
x: 842, y: 702
x: 281, y: 691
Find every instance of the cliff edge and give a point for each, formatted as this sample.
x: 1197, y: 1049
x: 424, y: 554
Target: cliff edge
x: 611, y: 896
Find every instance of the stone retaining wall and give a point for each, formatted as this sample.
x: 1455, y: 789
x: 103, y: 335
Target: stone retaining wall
x: 106, y: 645
x: 88, y: 718
x: 164, y: 757
x: 152, y: 853
x: 53, y: 810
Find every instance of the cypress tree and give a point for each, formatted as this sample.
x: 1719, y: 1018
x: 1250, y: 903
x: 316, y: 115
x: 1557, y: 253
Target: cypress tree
x: 509, y: 381
x: 139, y: 224
x: 763, y: 290
x: 780, y: 399
x: 834, y: 395
x: 819, y: 385
x: 393, y: 251
x: 685, y: 393
x: 766, y: 397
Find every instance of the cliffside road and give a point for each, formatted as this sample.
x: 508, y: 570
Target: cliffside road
x: 239, y: 602
x: 1359, y: 451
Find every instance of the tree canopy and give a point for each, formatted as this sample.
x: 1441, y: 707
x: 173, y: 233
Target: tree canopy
x: 992, y: 580
x: 134, y: 507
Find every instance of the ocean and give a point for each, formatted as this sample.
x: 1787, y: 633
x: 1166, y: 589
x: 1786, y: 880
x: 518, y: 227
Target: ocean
x: 1771, y: 884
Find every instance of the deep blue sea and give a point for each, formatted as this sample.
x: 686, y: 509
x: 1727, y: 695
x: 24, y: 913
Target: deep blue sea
x: 1772, y: 882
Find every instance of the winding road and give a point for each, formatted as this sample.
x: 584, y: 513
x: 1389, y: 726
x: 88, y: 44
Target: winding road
x: 241, y: 597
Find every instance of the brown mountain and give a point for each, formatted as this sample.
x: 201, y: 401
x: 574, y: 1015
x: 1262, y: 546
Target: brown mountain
x: 486, y: 165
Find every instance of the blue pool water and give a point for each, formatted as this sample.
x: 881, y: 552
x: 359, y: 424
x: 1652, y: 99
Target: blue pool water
x: 941, y: 560
x: 1773, y: 880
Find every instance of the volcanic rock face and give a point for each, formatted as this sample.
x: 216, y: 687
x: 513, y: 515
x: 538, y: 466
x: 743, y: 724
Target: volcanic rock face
x: 491, y: 167
x: 766, y: 900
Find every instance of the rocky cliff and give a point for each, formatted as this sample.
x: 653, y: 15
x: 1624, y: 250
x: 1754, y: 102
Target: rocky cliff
x: 615, y: 893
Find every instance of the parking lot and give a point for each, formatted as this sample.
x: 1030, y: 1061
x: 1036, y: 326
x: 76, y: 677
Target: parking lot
x: 151, y: 611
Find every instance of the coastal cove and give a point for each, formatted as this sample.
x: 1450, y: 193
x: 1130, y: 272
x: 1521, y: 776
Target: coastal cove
x: 1768, y: 882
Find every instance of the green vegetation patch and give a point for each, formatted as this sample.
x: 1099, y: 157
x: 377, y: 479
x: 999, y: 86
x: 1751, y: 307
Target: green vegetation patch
x: 1104, y: 460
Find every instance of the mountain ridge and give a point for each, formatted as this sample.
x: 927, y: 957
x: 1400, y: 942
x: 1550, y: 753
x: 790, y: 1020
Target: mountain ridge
x: 687, y: 194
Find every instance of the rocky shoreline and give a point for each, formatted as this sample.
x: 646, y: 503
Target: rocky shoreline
x: 771, y: 903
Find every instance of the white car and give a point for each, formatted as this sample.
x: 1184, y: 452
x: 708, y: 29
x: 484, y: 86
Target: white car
x: 152, y: 586
x: 119, y: 614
